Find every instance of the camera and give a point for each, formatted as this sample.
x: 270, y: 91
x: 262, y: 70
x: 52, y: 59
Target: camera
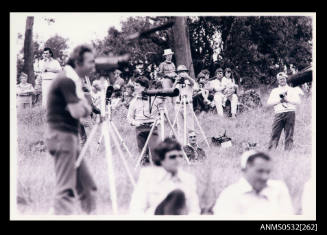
x: 110, y: 63
x: 161, y: 92
x: 181, y: 80
x: 282, y: 95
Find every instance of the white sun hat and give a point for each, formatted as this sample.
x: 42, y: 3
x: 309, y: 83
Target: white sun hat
x: 168, y: 52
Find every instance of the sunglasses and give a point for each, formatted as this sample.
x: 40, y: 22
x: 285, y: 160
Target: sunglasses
x: 193, y: 136
x: 175, y: 156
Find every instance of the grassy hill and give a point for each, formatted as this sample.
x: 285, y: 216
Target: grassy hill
x: 35, y: 172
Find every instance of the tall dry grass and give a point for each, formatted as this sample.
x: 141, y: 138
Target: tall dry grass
x: 35, y: 176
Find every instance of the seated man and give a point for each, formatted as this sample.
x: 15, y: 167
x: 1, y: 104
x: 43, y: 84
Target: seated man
x: 24, y: 92
x: 192, y: 150
x: 165, y: 189
x: 201, y: 94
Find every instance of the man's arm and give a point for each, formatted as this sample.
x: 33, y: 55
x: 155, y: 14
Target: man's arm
x: 293, y: 97
x: 76, y: 107
x: 273, y: 99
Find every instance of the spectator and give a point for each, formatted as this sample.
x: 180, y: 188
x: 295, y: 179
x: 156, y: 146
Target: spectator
x: 284, y: 99
x: 192, y: 150
x: 24, y: 92
x: 217, y: 87
x: 255, y: 194
x: 201, y: 93
x: 128, y: 95
x: 230, y: 91
x: 49, y: 67
x: 165, y: 189
x: 167, y: 70
x: 37, y: 88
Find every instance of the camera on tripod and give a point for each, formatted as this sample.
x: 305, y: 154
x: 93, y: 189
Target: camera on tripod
x: 170, y: 92
x: 181, y: 80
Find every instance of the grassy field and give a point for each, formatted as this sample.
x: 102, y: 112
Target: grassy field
x: 35, y: 175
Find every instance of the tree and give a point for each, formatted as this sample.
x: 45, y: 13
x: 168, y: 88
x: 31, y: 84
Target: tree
x: 182, y: 44
x: 28, y: 50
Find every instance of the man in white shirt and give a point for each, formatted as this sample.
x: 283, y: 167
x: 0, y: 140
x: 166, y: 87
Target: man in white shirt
x: 284, y: 99
x: 165, y: 189
x: 49, y: 67
x: 255, y: 195
x: 218, y: 87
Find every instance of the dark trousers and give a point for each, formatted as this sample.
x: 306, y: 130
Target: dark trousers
x: 142, y: 133
x: 282, y: 121
x: 82, y: 134
x: 173, y: 204
x: 70, y: 182
x: 198, y: 103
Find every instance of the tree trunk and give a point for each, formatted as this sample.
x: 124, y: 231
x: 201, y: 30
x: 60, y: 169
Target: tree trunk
x: 182, y: 44
x: 28, y: 50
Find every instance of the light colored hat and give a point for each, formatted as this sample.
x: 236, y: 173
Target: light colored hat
x: 168, y: 52
x: 181, y: 68
x: 245, y: 156
x: 117, y: 71
x: 281, y: 74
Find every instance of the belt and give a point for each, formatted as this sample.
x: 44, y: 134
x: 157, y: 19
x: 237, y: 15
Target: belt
x: 25, y: 95
x: 178, y: 102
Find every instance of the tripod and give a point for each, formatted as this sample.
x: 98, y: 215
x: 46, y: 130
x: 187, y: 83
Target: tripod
x: 159, y: 120
x: 108, y: 130
x: 184, y: 103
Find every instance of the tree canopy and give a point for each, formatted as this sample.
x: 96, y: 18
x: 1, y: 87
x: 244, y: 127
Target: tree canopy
x: 255, y: 47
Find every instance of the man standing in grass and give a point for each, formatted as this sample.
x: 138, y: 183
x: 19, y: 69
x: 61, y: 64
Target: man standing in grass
x: 66, y: 105
x: 284, y: 99
x: 255, y: 194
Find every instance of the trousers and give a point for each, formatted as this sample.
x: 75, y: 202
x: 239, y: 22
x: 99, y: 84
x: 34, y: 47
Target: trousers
x: 70, y: 182
x: 142, y: 133
x: 179, y: 109
x: 282, y: 121
x: 220, y: 100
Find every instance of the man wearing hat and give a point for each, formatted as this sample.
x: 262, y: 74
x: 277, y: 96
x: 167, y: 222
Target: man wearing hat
x: 284, y: 99
x: 185, y: 84
x: 255, y: 194
x: 167, y: 70
x: 142, y: 115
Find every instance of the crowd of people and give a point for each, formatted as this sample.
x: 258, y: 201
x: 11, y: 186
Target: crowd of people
x: 72, y: 100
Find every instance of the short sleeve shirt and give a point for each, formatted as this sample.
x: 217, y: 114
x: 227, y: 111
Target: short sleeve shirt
x: 62, y: 92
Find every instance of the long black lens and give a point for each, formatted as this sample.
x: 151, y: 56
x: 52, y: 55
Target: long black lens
x: 161, y: 92
x: 109, y: 91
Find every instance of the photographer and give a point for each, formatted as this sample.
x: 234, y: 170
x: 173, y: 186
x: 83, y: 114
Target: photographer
x: 142, y: 114
x: 185, y: 85
x: 284, y: 99
x: 66, y: 105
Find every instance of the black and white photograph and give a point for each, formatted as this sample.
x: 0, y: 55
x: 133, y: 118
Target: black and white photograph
x: 163, y: 116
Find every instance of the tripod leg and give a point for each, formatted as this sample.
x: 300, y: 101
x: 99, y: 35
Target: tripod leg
x: 121, y: 155
x: 86, y: 145
x: 201, y: 130
x: 185, y: 128
x: 172, y: 129
x: 112, y: 184
x: 162, y: 125
x: 176, y: 115
x: 146, y: 144
x: 99, y: 142
x: 121, y: 139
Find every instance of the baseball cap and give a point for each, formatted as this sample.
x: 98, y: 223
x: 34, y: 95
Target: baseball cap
x: 281, y: 74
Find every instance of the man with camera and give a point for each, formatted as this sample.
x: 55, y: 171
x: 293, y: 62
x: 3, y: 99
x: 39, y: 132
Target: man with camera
x: 185, y: 84
x: 201, y: 94
x: 284, y: 99
x: 142, y: 114
x: 66, y: 105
